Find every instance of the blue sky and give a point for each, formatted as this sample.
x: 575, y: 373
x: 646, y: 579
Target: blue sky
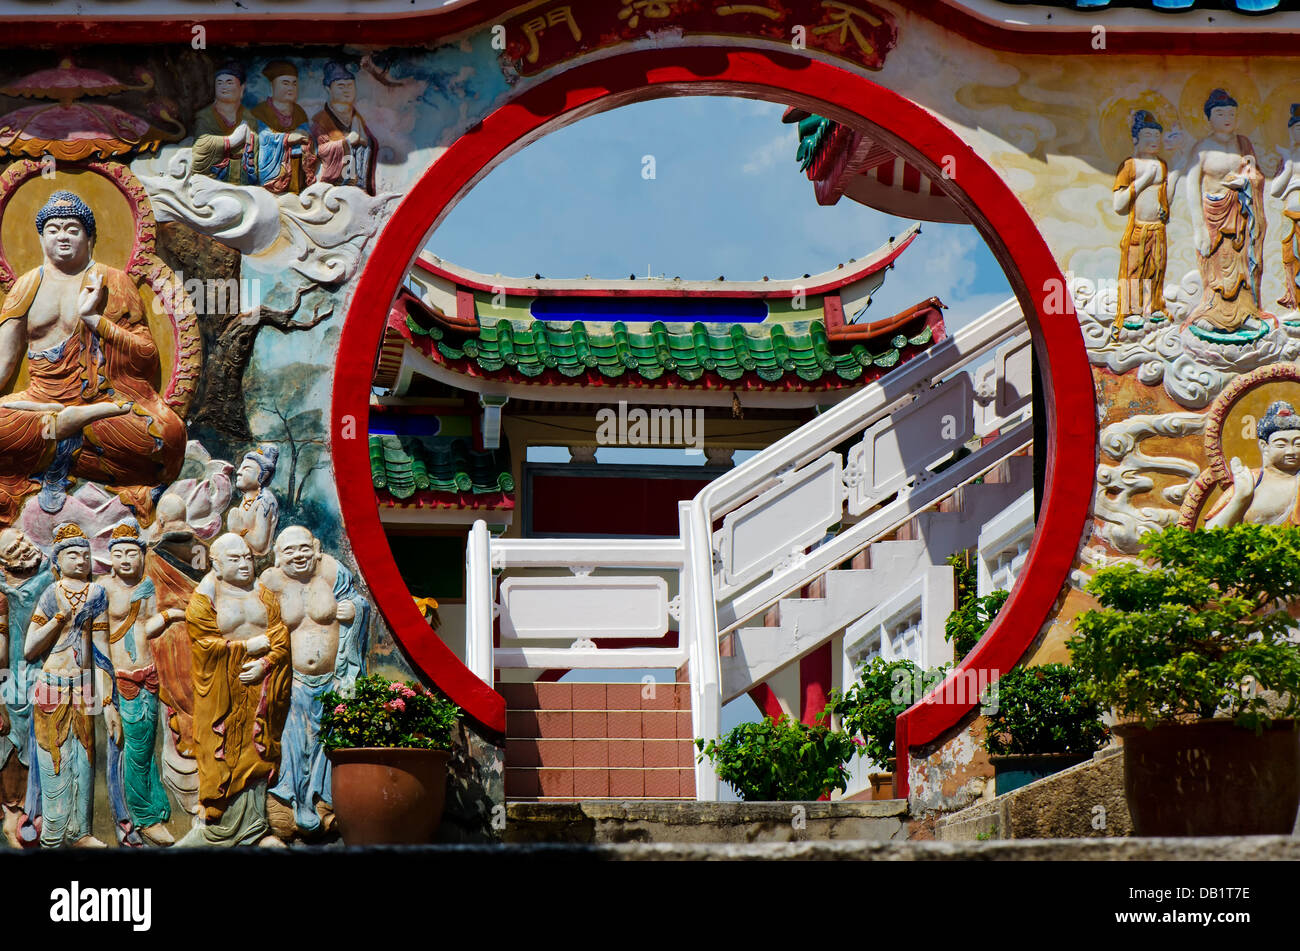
x: 727, y: 198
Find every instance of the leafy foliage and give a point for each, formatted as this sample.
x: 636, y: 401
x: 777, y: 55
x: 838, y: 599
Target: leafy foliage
x: 1043, y: 710
x: 1200, y: 629
x: 382, y: 712
x: 971, y: 619
x: 868, y: 709
x: 964, y: 575
x: 780, y: 760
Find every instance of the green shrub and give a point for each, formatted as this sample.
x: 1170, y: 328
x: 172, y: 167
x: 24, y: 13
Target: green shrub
x: 1199, y: 630
x: 1043, y: 710
x: 970, y: 620
x: 868, y: 709
x: 780, y: 760
x: 382, y: 712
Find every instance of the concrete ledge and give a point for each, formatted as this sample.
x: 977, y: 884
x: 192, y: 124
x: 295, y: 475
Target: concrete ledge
x: 654, y: 821
x: 1261, y: 848
x: 1084, y: 801
x: 1241, y: 849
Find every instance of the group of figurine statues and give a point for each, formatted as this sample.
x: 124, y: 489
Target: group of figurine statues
x: 1226, y: 188
x: 1225, y: 195
x: 180, y: 629
x: 274, y: 144
x: 240, y: 684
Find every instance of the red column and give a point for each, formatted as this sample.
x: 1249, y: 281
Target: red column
x: 814, y: 683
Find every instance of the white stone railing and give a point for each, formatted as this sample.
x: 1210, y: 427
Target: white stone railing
x: 549, y: 621
x: 908, y: 626
x: 777, y: 504
x: 774, y: 514
x: 1003, y: 546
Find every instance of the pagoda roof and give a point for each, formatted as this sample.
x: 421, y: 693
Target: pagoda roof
x: 437, y: 472
x: 779, y: 336
x: 771, y: 354
x: 840, y: 161
x: 872, y: 265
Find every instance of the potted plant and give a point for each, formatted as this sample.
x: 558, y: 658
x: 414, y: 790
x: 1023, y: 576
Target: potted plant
x: 1039, y: 722
x: 1193, y: 652
x: 869, y: 708
x: 780, y: 760
x: 388, y: 745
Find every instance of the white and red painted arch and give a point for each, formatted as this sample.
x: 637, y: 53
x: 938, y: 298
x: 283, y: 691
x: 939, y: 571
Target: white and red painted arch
x: 829, y: 90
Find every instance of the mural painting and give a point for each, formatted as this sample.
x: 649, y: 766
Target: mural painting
x: 171, y: 614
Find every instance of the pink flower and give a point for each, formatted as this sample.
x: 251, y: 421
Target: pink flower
x: 399, y: 705
x: 859, y: 741
x: 340, y: 710
x: 408, y: 692
x: 394, y: 687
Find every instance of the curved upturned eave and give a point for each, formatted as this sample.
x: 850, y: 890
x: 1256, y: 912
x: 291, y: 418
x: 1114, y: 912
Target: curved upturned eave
x: 828, y: 281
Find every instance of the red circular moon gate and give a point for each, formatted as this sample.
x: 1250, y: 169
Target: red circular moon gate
x: 753, y: 73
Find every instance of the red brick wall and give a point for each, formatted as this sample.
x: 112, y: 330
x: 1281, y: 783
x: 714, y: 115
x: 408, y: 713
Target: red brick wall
x: 598, y: 741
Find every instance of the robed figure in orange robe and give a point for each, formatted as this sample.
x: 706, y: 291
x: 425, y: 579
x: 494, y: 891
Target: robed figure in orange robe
x: 238, y: 715
x: 90, y: 409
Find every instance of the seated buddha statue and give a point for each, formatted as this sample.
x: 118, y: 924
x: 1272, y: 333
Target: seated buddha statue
x: 89, y: 409
x: 1269, y: 495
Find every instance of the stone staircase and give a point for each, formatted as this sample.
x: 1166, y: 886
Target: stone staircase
x: 798, y: 625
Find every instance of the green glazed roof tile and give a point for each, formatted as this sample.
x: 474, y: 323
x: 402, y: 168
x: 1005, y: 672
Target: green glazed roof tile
x: 768, y: 350
x: 404, y: 465
x: 813, y: 132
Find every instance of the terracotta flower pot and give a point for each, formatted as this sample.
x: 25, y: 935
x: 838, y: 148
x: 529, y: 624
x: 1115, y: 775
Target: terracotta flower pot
x: 387, y: 796
x: 882, y: 784
x: 1209, y: 777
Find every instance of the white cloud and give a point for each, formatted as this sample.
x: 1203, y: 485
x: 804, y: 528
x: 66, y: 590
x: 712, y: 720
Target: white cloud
x: 778, y: 150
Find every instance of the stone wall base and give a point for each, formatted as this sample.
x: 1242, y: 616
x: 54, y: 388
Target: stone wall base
x: 1082, y: 802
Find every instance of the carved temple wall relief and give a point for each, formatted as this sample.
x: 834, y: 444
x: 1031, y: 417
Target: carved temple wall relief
x: 181, y: 235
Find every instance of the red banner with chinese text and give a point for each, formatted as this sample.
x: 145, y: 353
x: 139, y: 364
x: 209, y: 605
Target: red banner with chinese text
x: 551, y: 33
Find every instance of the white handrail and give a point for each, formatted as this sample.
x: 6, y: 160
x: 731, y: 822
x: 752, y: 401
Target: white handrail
x: 738, y: 608
x: 479, y: 601
x: 702, y: 617
x: 606, y: 552
x: 851, y: 416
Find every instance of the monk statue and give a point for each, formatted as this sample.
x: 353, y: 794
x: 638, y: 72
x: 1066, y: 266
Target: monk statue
x: 345, y: 146
x: 1143, y: 190
x: 286, y: 159
x: 256, y: 513
x: 328, y: 621
x: 68, y: 637
x: 224, y: 146
x: 1286, y: 186
x: 241, y: 697
x: 89, y: 409
x: 1269, y: 495
x: 1225, y: 190
x: 135, y: 789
